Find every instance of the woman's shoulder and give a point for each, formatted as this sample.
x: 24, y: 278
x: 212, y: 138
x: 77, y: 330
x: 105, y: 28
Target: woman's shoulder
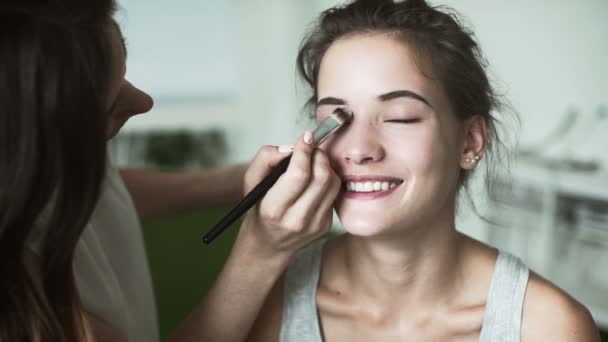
x: 552, y: 314
x: 549, y: 313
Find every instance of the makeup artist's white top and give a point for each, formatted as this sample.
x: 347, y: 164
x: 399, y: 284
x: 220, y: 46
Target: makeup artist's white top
x: 111, y: 267
x: 502, y: 320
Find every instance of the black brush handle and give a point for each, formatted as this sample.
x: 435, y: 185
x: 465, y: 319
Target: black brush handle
x: 248, y: 201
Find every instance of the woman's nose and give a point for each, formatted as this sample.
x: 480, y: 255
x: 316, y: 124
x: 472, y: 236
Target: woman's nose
x: 139, y: 101
x: 360, y: 144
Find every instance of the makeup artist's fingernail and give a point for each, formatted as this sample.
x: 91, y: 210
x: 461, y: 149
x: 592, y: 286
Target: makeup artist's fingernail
x: 285, y: 148
x: 308, y: 137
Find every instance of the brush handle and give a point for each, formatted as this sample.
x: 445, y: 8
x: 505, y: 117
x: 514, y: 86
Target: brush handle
x: 328, y: 126
x: 248, y: 201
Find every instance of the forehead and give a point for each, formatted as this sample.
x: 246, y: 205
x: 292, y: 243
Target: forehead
x: 376, y: 62
x: 116, y: 40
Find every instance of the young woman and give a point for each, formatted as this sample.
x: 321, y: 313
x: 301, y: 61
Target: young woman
x: 423, y: 122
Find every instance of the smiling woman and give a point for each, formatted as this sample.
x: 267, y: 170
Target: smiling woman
x: 423, y: 121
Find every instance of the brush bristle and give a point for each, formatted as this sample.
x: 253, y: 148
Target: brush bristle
x: 342, y: 115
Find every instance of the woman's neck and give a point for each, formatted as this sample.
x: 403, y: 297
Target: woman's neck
x: 420, y: 267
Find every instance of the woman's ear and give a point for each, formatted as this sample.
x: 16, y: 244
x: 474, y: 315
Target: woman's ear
x: 475, y: 137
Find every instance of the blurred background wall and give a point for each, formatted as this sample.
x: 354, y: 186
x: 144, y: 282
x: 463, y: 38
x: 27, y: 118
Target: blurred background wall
x: 223, y: 77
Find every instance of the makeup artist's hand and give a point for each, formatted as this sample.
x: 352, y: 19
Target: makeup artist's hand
x: 299, y: 207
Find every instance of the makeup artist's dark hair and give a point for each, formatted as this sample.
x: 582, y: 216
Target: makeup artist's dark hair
x: 55, y: 69
x: 445, y: 50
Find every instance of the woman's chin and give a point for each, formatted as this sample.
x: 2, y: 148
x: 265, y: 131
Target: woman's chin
x: 362, y: 227
x: 115, y: 126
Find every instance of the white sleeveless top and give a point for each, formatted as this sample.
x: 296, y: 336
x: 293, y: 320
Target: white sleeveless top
x: 502, y: 320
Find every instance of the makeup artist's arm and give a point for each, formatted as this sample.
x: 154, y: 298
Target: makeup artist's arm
x: 296, y: 211
x: 159, y: 193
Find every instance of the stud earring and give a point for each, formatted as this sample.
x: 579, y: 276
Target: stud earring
x: 475, y: 159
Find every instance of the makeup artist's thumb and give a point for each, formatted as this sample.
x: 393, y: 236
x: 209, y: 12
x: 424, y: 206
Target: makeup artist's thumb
x: 264, y: 161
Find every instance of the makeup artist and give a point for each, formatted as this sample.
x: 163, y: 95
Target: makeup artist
x: 72, y: 258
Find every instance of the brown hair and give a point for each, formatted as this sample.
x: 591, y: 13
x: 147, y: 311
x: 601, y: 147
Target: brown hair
x: 55, y: 67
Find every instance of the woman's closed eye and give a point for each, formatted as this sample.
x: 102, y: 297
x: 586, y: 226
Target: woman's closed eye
x: 404, y: 121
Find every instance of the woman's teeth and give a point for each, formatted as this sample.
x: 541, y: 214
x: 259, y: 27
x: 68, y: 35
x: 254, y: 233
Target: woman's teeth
x: 369, y: 186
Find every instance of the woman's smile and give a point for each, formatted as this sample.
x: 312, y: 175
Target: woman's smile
x: 368, y: 187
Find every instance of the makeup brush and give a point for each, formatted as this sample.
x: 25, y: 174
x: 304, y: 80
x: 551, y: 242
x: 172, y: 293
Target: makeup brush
x: 339, y: 117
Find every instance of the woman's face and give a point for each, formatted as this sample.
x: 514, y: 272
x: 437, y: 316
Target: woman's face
x: 125, y: 99
x: 399, y: 159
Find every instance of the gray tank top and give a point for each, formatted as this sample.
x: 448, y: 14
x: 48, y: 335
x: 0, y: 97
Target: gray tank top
x: 502, y: 319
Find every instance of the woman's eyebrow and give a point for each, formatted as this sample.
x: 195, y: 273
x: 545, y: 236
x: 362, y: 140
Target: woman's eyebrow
x: 335, y: 101
x: 403, y: 93
x: 124, y: 45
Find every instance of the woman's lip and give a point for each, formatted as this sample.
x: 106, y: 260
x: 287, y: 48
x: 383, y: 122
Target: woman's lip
x: 370, y: 195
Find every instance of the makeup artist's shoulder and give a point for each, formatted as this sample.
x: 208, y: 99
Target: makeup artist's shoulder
x: 550, y: 314
x: 267, y: 326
